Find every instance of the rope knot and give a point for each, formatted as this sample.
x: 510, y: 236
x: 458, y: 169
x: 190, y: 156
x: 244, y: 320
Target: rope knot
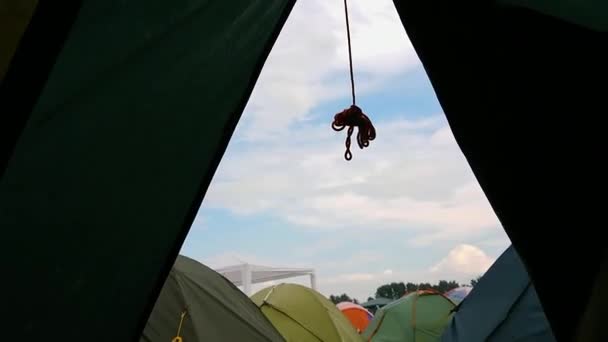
x: 354, y: 117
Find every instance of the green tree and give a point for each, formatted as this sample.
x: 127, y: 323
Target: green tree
x: 444, y: 286
x: 425, y: 286
x: 391, y: 291
x: 475, y: 281
x: 341, y: 298
x: 411, y: 287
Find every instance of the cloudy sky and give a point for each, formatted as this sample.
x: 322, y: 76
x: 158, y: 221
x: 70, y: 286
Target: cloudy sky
x: 405, y: 209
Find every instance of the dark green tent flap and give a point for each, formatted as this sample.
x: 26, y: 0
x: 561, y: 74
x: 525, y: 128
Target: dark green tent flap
x: 15, y: 16
x: 213, y: 309
x: 31, y: 41
x: 503, y: 306
x: 586, y: 13
x: 524, y: 93
x: 112, y: 164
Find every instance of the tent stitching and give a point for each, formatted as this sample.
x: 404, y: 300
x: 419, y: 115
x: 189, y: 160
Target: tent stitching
x: 291, y: 318
x: 181, y: 293
x: 330, y: 316
x: 221, y: 303
x: 377, y: 327
x: 511, y: 308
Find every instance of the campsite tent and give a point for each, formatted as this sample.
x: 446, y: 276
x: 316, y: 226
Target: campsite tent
x: 375, y: 304
x: 115, y: 115
x: 301, y: 314
x: 358, y: 316
x: 213, y: 309
x: 419, y: 316
x: 459, y: 293
x: 503, y: 307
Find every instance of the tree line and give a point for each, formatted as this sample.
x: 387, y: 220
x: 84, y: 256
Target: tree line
x: 396, y: 290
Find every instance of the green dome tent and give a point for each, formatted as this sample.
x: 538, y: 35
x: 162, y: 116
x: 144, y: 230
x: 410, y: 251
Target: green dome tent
x: 204, y: 306
x: 418, y: 317
x: 303, y: 315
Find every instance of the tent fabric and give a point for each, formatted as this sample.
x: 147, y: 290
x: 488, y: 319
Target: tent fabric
x: 502, y: 307
x: 111, y: 166
x: 301, y: 314
x: 215, y: 309
x: 129, y: 121
x: 29, y: 62
x: 520, y: 89
x: 358, y: 316
x: 15, y: 16
x: 420, y: 316
x: 586, y: 13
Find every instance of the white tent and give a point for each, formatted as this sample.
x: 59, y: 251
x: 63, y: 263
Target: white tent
x: 246, y: 274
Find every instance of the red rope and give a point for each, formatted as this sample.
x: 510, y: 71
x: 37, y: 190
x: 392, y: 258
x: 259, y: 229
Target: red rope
x: 353, y: 116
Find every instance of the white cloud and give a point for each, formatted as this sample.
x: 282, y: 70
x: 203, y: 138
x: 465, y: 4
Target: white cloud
x: 358, y: 259
x: 320, y: 246
x: 501, y: 243
x: 464, y: 260
x: 405, y: 181
x: 309, y: 65
x: 349, y: 277
x: 230, y: 258
x: 462, y: 263
x: 412, y: 178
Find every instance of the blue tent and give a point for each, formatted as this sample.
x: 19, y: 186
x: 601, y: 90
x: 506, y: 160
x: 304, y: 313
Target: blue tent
x: 502, y: 307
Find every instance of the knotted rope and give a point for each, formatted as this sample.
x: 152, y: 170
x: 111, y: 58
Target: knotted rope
x: 353, y: 116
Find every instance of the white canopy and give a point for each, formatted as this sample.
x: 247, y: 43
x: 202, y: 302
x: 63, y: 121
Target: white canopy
x: 246, y: 274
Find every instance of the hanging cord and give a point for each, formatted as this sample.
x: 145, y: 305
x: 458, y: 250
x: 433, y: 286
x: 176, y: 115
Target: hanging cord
x: 177, y: 337
x: 353, y: 116
x: 350, y: 54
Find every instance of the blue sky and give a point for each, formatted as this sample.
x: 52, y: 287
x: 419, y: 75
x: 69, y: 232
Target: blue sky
x: 405, y: 209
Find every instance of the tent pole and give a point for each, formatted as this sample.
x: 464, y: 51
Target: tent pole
x: 313, y: 281
x: 246, y: 279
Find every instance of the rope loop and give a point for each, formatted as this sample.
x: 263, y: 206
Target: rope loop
x: 354, y: 117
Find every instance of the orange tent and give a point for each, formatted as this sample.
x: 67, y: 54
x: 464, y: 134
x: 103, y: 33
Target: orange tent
x: 358, y: 316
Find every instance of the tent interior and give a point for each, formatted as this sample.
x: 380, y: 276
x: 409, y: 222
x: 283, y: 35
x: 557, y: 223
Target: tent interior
x: 107, y: 146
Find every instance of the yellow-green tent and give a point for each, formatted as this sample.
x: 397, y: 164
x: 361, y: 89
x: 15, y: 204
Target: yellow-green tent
x: 301, y: 314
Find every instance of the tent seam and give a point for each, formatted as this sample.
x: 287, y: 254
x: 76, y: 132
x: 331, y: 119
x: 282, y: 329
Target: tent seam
x: 293, y: 319
x: 236, y: 314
